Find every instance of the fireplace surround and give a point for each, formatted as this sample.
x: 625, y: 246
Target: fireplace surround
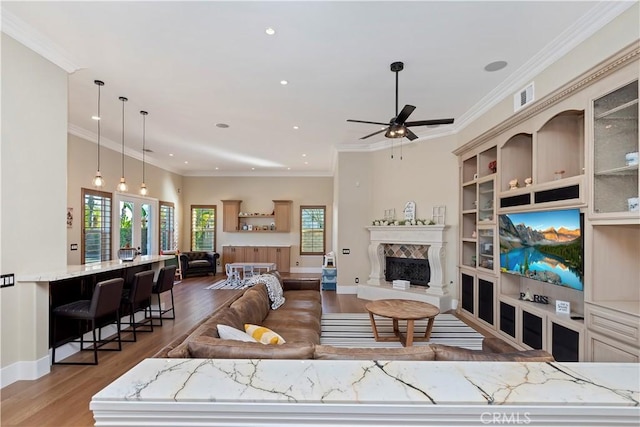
x: 429, y: 235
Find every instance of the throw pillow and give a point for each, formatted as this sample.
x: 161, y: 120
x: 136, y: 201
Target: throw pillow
x: 229, y: 333
x: 274, y: 288
x: 263, y: 335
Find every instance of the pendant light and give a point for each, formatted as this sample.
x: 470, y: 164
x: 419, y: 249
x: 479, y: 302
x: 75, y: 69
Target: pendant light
x: 143, y: 187
x: 98, y: 181
x: 122, y: 186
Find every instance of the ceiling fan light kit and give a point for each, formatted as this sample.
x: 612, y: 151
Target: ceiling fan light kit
x: 398, y: 127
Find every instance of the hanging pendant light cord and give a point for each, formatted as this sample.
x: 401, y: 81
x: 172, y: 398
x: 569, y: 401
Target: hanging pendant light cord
x: 144, y: 127
x: 123, y: 99
x: 99, y: 118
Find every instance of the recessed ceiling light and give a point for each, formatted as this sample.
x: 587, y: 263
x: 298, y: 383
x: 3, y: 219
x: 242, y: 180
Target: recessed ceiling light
x: 284, y: 82
x: 253, y: 169
x: 296, y: 127
x: 270, y: 31
x: 95, y: 118
x: 186, y: 162
x: 495, y: 66
x: 170, y: 154
x: 217, y: 168
x: 288, y: 169
x: 222, y: 125
x: 304, y: 155
x: 306, y: 163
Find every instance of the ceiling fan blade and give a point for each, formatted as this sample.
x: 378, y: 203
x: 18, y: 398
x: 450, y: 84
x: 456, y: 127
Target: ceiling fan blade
x: 430, y: 122
x: 371, y: 123
x: 410, y: 134
x: 404, y: 114
x: 375, y: 133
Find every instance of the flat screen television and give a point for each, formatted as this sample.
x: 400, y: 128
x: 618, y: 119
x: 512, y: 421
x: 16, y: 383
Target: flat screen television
x: 545, y: 246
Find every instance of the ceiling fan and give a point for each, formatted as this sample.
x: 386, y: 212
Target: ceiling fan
x: 398, y: 127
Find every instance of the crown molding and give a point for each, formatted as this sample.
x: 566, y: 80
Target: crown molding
x: 262, y: 173
x: 37, y: 42
x: 599, y: 16
x: 116, y: 146
x: 600, y: 71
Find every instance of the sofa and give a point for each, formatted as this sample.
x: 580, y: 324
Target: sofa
x: 198, y: 263
x: 298, y: 321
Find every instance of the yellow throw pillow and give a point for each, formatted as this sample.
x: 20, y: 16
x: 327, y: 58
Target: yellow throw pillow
x: 263, y: 335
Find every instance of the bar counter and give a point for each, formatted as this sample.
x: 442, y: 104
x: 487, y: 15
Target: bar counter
x: 269, y: 393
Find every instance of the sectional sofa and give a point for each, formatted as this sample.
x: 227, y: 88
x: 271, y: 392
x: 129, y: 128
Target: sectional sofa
x: 298, y: 322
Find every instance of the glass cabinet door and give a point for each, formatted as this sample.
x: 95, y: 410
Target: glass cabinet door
x: 485, y: 202
x: 485, y: 248
x: 615, y: 151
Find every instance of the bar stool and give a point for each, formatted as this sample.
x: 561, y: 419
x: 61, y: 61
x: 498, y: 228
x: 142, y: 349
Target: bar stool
x: 105, y: 301
x: 138, y: 297
x: 166, y: 276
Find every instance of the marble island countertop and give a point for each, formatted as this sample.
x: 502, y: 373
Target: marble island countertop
x: 397, y: 389
x: 72, y: 271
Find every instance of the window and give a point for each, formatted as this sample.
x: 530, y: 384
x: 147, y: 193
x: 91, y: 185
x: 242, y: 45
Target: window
x: 312, y: 226
x: 96, y: 226
x: 167, y: 226
x: 203, y: 227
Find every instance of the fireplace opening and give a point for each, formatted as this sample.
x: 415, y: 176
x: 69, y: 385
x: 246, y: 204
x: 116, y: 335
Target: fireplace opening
x: 416, y: 271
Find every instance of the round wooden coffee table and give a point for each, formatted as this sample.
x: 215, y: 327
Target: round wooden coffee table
x: 400, y: 309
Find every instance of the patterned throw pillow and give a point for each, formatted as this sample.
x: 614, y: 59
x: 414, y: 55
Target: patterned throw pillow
x: 274, y: 288
x: 263, y: 335
x: 229, y: 333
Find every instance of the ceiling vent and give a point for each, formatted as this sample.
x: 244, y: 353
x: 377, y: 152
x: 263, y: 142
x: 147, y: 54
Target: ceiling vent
x: 523, y: 97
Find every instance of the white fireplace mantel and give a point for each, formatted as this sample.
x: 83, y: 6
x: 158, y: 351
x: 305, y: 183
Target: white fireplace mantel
x: 428, y: 235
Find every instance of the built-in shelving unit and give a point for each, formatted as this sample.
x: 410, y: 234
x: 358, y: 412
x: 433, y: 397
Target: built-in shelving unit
x: 237, y: 220
x: 575, y: 151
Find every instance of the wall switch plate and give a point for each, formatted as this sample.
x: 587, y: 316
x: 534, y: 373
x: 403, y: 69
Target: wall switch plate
x: 74, y: 246
x: 346, y: 251
x: 7, y: 280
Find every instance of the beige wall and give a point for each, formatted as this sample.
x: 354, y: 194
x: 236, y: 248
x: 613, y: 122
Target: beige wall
x: 354, y: 190
x: 370, y: 183
x: 257, y: 195
x: 33, y: 200
x: 81, y: 157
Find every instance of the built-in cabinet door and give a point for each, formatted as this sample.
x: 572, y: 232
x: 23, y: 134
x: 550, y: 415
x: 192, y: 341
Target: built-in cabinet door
x: 281, y: 257
x: 256, y: 254
x: 282, y: 213
x: 231, y: 254
x: 230, y: 212
x: 467, y: 296
x: 615, y: 153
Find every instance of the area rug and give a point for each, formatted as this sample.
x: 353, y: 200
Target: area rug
x: 222, y: 284
x: 354, y: 330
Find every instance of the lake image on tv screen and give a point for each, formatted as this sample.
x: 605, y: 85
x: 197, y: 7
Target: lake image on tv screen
x: 544, y: 246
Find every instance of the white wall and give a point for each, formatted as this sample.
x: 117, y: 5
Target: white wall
x: 33, y: 200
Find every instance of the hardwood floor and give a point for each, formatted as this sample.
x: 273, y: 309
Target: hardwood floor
x: 61, y: 398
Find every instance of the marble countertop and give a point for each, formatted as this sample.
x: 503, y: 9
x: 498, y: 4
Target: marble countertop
x: 72, y: 271
x: 374, y: 382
